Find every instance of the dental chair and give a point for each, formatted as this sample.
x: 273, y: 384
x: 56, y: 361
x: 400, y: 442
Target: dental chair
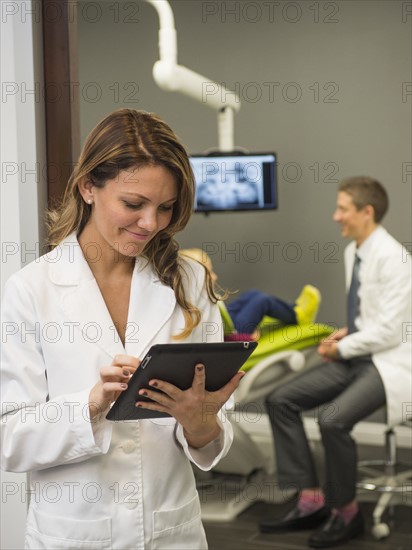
x: 245, y: 475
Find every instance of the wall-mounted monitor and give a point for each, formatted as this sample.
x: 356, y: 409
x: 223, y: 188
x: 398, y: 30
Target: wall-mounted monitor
x: 235, y: 182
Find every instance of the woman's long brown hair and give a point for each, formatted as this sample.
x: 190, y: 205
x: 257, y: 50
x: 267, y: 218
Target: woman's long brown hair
x: 126, y: 139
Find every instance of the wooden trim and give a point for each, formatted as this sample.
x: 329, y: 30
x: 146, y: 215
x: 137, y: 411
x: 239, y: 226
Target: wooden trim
x: 61, y: 93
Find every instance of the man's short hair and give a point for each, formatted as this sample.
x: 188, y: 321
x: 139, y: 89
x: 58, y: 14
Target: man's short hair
x: 363, y: 191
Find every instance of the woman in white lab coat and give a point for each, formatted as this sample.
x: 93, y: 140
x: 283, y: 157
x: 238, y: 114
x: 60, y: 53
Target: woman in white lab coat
x: 75, y: 323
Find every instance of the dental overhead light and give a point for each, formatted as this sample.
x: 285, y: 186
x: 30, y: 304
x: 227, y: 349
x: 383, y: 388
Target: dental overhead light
x: 176, y: 78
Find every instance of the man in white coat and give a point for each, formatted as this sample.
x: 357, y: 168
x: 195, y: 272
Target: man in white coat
x: 366, y: 365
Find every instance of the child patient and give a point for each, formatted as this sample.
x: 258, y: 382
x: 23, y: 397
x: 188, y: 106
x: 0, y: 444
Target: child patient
x: 248, y: 309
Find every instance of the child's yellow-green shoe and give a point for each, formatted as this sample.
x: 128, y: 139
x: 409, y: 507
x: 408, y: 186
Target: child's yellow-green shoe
x: 307, y: 305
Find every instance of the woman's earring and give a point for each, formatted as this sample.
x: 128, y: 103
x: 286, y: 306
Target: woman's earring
x: 89, y: 201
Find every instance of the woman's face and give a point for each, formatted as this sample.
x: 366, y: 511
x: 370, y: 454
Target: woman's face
x: 131, y: 209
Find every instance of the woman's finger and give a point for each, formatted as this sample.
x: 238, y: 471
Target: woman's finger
x: 158, y: 397
x: 115, y: 374
x: 112, y: 387
x: 226, y: 391
x: 126, y: 361
x: 199, y: 379
x: 152, y: 406
x: 169, y: 389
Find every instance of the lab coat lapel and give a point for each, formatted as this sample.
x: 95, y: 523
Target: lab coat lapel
x: 151, y: 306
x: 151, y: 303
x: 349, y: 261
x: 85, y: 305
x: 81, y: 299
x: 369, y: 266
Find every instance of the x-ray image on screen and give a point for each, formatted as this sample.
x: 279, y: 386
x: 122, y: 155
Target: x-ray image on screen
x: 243, y: 182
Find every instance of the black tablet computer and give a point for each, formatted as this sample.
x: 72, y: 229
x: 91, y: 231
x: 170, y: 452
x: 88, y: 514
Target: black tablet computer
x: 175, y: 363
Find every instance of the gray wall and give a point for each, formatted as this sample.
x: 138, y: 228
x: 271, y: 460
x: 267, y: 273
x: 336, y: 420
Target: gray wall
x: 349, y: 61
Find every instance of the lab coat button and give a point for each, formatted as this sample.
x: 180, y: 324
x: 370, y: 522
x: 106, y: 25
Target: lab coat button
x: 128, y: 446
x: 131, y: 505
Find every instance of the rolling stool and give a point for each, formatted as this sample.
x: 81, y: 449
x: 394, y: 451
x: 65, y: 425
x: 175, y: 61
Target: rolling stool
x: 389, y: 483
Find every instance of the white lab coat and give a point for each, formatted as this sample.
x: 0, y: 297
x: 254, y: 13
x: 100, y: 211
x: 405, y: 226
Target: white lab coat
x: 102, y: 484
x: 385, y: 318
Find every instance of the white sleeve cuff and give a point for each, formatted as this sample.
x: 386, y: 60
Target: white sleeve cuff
x: 99, y: 431
x: 208, y: 456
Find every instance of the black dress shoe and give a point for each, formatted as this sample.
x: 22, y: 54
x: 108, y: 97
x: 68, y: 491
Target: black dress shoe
x: 294, y: 520
x: 334, y: 531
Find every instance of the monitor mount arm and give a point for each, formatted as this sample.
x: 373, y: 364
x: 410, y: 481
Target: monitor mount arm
x: 176, y: 78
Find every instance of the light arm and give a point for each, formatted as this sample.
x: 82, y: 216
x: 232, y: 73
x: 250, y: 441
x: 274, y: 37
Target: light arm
x: 173, y: 77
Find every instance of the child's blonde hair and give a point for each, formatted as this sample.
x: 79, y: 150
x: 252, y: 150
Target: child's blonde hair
x: 197, y: 254
x: 204, y: 259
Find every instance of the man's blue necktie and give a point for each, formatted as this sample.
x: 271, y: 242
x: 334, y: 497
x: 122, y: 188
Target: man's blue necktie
x: 353, y: 297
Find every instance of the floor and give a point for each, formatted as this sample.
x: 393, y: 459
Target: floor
x: 243, y: 533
